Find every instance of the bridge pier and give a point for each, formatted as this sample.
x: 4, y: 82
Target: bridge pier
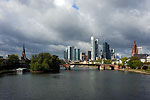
x: 68, y: 68
x: 102, y: 68
x: 98, y: 67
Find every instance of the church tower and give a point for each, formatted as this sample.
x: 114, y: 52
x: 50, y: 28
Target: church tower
x: 23, y: 53
x: 134, y: 49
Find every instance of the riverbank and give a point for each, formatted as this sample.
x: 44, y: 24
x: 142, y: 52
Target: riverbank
x: 136, y: 71
x: 6, y: 71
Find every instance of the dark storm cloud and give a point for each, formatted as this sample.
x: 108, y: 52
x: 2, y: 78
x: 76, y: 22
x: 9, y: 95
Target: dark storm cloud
x: 51, y: 25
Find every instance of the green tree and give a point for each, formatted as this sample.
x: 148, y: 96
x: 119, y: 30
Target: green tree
x: 99, y: 60
x: 107, y: 61
x: 137, y: 64
x: 45, y: 62
x: 54, y: 63
x: 62, y: 62
x: 124, y: 59
x: 1, y: 64
x: 13, y: 61
x: 134, y: 63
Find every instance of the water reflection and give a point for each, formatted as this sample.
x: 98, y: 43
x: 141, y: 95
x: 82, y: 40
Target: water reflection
x: 77, y: 84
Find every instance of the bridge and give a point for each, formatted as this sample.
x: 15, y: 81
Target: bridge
x: 98, y: 66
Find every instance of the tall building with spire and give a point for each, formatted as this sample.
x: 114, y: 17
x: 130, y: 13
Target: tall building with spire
x: 23, y: 53
x: 92, y: 47
x: 134, y: 49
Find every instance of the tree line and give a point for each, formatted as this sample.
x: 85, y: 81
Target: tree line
x: 44, y: 62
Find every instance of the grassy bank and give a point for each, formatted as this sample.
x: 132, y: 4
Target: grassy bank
x: 137, y: 71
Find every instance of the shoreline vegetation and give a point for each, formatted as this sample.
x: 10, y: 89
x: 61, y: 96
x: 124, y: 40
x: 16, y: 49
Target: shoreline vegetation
x: 136, y: 71
x: 39, y: 63
x: 44, y: 63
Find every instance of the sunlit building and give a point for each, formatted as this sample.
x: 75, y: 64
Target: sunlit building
x: 92, y: 47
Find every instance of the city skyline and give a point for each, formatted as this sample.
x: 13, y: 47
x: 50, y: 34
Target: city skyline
x: 97, y: 50
x: 51, y: 25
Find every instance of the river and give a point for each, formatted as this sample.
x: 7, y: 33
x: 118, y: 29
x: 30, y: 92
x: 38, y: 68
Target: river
x: 77, y: 84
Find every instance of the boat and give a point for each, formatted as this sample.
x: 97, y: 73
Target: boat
x: 72, y: 66
x: 21, y: 70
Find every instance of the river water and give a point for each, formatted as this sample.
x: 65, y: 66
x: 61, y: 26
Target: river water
x: 77, y: 84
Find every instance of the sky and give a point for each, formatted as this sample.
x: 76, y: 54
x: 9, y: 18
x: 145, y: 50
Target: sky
x: 52, y: 25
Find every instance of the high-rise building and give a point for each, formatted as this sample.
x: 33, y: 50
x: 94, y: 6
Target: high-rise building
x: 92, y: 47
x: 69, y: 52
x: 96, y: 48
x: 140, y: 50
x: 106, y: 51
x: 100, y: 51
x: 88, y: 55
x: 80, y: 55
x: 72, y: 53
x: 134, y: 49
x: 76, y: 54
x: 66, y: 54
x: 83, y: 56
x: 112, y: 53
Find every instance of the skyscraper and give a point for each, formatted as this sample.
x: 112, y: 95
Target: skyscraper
x: 77, y: 54
x: 72, y: 53
x: 69, y: 52
x: 100, y: 51
x: 96, y: 48
x: 134, y: 49
x: 66, y: 54
x: 106, y: 50
x: 88, y: 55
x: 92, y: 47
